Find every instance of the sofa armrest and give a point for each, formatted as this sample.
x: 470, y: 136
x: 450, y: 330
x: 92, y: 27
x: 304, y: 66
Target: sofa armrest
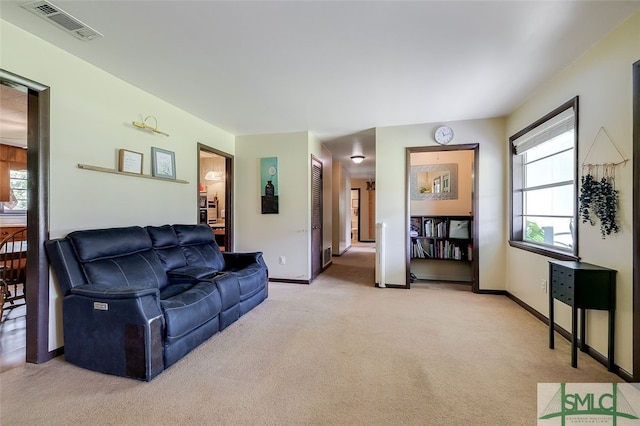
x: 102, y: 291
x: 114, y: 330
x: 242, y: 260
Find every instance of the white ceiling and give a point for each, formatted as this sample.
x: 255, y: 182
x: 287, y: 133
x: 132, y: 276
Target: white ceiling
x: 335, y: 68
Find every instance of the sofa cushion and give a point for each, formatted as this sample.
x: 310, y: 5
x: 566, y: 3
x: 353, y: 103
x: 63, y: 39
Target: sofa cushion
x: 95, y: 244
x: 165, y: 242
x: 118, y: 257
x: 191, y: 308
x: 251, y: 279
x: 199, y: 246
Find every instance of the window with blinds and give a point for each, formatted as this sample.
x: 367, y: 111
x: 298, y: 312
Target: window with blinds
x: 544, y: 183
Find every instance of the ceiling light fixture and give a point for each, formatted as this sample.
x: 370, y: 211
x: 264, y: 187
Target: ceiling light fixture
x: 213, y: 175
x: 357, y: 158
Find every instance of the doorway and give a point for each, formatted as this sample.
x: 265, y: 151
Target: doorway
x: 316, y: 217
x: 442, y: 233
x: 215, y: 194
x: 37, y: 268
x: 355, y: 215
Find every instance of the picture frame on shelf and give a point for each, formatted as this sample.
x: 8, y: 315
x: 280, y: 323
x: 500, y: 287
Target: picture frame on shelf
x: 163, y: 163
x: 130, y: 161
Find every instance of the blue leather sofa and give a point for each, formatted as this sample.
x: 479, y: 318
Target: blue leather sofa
x: 136, y: 300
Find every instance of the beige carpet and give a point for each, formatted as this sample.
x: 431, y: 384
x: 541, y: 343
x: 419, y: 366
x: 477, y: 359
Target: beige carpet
x: 336, y: 352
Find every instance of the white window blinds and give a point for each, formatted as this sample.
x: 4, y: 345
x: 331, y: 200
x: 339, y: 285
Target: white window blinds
x: 558, y: 125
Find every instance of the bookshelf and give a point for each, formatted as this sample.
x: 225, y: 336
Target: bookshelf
x: 447, y: 238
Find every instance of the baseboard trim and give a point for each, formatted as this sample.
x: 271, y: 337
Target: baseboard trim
x: 325, y: 267
x: 624, y: 375
x: 494, y: 292
x: 286, y: 280
x: 391, y: 286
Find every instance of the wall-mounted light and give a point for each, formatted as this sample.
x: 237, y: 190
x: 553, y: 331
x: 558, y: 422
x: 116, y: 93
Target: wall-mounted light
x: 144, y: 125
x: 357, y: 158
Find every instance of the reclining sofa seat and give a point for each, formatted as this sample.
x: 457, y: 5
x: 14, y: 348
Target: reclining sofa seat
x: 137, y: 300
x: 121, y: 314
x: 190, y: 252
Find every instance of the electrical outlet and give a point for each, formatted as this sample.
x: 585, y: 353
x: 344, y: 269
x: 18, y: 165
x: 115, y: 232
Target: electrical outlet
x: 543, y: 285
x: 283, y: 260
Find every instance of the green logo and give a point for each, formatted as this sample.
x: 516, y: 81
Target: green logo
x: 587, y: 402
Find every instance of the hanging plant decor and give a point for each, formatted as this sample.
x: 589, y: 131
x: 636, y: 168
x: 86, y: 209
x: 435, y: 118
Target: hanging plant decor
x: 587, y: 194
x: 599, y: 200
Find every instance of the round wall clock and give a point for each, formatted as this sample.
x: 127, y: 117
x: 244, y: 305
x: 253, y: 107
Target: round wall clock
x: 443, y: 135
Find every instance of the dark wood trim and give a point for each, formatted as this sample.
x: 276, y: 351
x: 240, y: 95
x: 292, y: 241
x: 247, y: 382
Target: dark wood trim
x: 286, y: 280
x: 37, y: 286
x: 37, y: 296
x: 636, y: 222
x: 516, y: 230
x: 535, y: 248
x: 359, y: 212
x: 567, y: 335
x: 475, y: 285
x: 387, y: 285
x: 316, y: 162
x: 228, y: 196
x: 493, y: 292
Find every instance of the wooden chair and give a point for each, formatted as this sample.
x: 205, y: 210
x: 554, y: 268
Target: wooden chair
x: 13, y: 266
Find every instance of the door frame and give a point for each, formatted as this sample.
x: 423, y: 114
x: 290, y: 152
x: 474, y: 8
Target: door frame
x: 37, y: 285
x: 475, y: 285
x: 315, y: 273
x: 228, y: 193
x: 359, y: 212
x: 636, y: 223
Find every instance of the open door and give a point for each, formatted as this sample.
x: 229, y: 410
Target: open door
x: 215, y: 196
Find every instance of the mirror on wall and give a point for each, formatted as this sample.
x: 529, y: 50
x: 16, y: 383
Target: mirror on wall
x: 434, y: 182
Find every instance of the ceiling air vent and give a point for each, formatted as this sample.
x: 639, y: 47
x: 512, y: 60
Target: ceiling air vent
x: 62, y: 19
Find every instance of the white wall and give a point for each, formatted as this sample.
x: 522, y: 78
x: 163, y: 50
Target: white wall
x: 602, y: 79
x: 91, y: 114
x: 392, y: 191
x: 341, y: 225
x: 286, y: 233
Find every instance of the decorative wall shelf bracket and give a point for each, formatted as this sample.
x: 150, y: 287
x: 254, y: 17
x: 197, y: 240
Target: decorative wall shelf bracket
x: 116, y: 172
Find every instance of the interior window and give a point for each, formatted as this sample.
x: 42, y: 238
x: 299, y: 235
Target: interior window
x: 18, y: 193
x: 544, y: 184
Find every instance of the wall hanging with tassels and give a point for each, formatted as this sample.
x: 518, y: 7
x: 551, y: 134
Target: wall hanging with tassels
x: 598, y: 194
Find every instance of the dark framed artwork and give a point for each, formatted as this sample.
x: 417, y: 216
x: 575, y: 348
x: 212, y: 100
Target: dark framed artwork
x: 163, y: 163
x: 269, y: 185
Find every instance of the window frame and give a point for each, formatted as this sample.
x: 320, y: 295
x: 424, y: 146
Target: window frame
x: 516, y: 227
x: 12, y: 212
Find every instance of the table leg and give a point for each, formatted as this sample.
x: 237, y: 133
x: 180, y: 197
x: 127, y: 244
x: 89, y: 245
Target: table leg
x: 583, y: 332
x: 549, y: 289
x: 612, y: 328
x: 574, y: 337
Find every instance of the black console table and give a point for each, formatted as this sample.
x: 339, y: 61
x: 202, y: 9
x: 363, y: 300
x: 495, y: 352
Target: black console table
x: 582, y: 286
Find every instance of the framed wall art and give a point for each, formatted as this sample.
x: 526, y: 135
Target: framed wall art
x: 163, y: 163
x: 129, y: 161
x: 269, y: 185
